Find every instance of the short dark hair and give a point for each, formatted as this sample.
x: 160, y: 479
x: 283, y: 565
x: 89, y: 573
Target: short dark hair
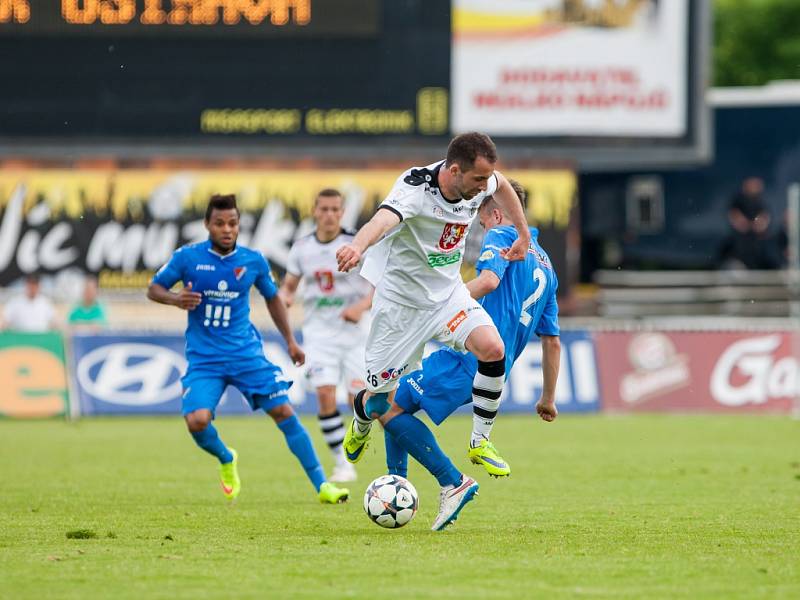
x: 327, y: 193
x: 490, y: 202
x: 464, y: 149
x: 221, y: 202
x: 32, y: 278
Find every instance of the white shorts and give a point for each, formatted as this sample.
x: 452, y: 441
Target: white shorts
x: 399, y: 333
x: 334, y: 360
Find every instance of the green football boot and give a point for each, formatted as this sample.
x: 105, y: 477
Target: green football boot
x: 330, y: 494
x: 354, y: 444
x: 486, y: 454
x: 229, y: 477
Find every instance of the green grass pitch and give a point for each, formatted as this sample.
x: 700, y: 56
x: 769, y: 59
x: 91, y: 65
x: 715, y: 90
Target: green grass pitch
x: 596, y: 507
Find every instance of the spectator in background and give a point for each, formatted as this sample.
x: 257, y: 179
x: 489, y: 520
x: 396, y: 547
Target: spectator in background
x: 750, y: 245
x: 30, y: 311
x: 89, y: 313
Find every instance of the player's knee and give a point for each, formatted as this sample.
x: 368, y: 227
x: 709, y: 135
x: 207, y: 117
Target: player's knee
x: 281, y: 412
x: 493, y: 351
x: 198, y: 420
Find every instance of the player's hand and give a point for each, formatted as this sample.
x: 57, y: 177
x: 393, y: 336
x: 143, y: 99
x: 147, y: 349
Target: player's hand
x: 296, y: 354
x: 352, y: 314
x: 547, y: 409
x: 518, y: 250
x: 348, y: 256
x: 187, y: 299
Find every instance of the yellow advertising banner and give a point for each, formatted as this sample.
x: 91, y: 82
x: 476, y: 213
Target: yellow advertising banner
x: 124, y: 224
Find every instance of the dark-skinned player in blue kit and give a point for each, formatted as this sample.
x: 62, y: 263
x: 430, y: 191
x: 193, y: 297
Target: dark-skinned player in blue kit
x: 223, y: 347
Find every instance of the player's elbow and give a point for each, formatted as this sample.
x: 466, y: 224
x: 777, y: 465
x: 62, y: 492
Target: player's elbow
x: 151, y: 293
x: 551, y: 343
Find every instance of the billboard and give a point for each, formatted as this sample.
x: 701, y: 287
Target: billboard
x: 33, y: 375
x: 581, y: 68
x: 124, y: 224
x: 133, y: 373
x: 698, y: 371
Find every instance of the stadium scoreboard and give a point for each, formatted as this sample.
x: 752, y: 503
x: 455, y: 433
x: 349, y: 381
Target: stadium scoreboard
x: 186, y: 69
x: 194, y: 17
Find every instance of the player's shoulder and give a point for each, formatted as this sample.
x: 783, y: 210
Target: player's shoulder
x: 247, y: 254
x: 540, y: 253
x: 417, y: 177
x: 192, y: 248
x: 500, y: 237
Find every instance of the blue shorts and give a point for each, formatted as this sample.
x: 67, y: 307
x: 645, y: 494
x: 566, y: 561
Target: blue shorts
x: 442, y: 385
x: 259, y: 381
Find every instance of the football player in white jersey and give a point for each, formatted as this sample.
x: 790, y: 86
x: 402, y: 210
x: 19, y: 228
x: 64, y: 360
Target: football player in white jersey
x: 419, y: 291
x: 334, y: 323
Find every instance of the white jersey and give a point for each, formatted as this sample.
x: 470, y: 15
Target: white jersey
x: 326, y: 291
x: 418, y: 263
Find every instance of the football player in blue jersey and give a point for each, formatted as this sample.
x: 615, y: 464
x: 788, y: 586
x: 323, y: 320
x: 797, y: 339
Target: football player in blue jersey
x: 223, y: 347
x: 520, y: 297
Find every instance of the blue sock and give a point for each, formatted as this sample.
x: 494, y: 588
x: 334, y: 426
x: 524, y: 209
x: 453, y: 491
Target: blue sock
x: 396, y: 456
x: 414, y: 437
x: 299, y: 443
x: 208, y: 440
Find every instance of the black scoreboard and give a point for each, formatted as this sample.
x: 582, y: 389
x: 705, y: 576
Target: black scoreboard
x: 245, y: 69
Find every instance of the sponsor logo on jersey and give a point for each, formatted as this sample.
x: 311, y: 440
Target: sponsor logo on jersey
x: 391, y: 374
x: 452, y: 234
x: 542, y: 258
x: 205, y: 268
x: 453, y: 323
x: 221, y: 294
x: 438, y: 212
x: 330, y: 302
x: 239, y: 272
x: 442, y: 260
x: 458, y: 209
x: 487, y: 255
x: 222, y: 285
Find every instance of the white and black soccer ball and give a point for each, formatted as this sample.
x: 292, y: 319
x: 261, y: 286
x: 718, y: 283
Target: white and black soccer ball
x: 391, y: 501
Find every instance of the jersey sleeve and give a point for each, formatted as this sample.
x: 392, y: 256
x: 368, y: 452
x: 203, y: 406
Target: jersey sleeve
x: 293, y: 261
x: 264, y: 282
x: 172, y: 272
x: 405, y: 200
x: 494, y: 242
x: 548, y: 323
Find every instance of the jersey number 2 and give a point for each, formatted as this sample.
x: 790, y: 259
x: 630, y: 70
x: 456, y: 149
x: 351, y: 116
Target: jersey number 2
x: 540, y: 279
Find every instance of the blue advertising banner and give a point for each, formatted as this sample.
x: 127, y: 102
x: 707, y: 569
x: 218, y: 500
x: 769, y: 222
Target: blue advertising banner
x: 132, y: 373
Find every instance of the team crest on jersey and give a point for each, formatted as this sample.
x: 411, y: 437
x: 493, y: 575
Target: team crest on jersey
x: 452, y: 235
x: 239, y: 272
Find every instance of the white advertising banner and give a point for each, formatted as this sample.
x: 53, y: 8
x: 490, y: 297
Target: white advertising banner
x: 615, y: 68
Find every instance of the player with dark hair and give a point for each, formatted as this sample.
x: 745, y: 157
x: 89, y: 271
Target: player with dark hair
x: 419, y: 291
x: 334, y: 326
x: 224, y: 348
x: 520, y: 297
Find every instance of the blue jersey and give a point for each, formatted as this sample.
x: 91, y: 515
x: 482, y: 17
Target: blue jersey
x: 523, y: 303
x: 525, y: 300
x: 219, y: 329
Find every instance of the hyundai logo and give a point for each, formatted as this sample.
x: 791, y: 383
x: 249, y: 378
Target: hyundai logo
x: 132, y: 374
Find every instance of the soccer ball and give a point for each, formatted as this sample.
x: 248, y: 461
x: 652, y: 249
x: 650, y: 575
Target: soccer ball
x: 391, y: 501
